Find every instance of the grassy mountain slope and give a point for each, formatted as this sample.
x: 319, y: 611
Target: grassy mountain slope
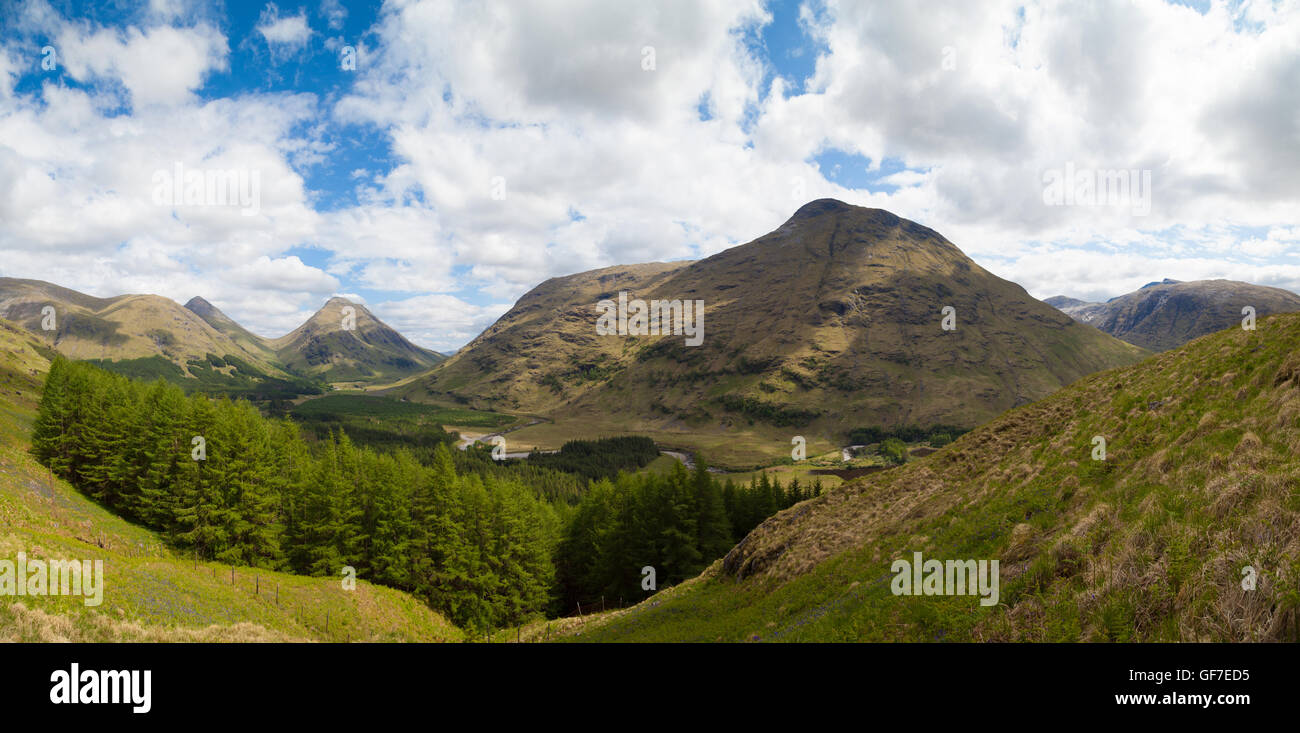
x: 1199, y: 482
x: 227, y: 326
x: 1168, y: 314
x: 831, y: 322
x: 150, y: 593
x: 370, y: 351
x: 120, y: 328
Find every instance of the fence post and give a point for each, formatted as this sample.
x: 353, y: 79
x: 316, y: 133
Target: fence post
x: 257, y: 586
x: 579, y: 608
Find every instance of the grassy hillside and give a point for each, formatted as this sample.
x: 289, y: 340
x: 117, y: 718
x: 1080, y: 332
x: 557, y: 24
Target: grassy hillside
x: 367, y: 349
x: 227, y: 326
x: 123, y: 327
x: 151, y: 594
x: 1200, y: 481
x: 200, y: 348
x: 831, y: 322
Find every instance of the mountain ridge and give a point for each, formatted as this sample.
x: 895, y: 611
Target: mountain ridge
x: 1166, y: 314
x: 837, y: 329
x: 131, y: 328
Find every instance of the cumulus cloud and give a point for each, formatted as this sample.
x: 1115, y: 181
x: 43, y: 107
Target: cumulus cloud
x: 160, y: 65
x: 985, y: 100
x: 529, y: 140
x: 442, y: 322
x: 284, y: 34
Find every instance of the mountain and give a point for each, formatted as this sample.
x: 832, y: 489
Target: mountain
x: 1060, y: 302
x: 154, y: 592
x: 24, y: 360
x: 228, y: 327
x: 830, y: 322
x: 1185, y: 530
x: 150, y: 336
x: 1166, y: 281
x: 124, y: 327
x: 1164, y: 315
x: 1080, y: 310
x: 338, y: 344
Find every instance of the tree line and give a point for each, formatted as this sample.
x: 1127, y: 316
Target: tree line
x: 937, y: 435
x: 470, y: 537
x: 217, y: 479
x: 676, y: 524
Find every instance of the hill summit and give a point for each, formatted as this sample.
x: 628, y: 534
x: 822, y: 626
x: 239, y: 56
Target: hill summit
x: 149, y: 336
x: 344, y: 340
x: 843, y: 316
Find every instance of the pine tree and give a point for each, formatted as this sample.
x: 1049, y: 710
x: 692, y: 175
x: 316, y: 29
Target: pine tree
x: 50, y: 429
x: 713, y: 529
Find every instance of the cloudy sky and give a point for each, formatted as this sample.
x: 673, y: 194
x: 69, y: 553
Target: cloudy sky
x: 437, y: 159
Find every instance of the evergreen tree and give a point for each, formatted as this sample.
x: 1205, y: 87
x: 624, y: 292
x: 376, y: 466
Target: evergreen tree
x: 713, y: 529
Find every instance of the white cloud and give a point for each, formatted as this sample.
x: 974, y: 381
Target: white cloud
x: 160, y: 65
x: 441, y: 322
x: 334, y: 12
x: 284, y: 34
x: 605, y: 162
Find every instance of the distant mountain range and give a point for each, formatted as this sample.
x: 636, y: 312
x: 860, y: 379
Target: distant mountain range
x: 1164, y: 315
x: 197, y: 340
x: 833, y: 320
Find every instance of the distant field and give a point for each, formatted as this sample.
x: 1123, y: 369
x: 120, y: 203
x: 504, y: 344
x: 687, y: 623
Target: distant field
x: 802, y: 471
x: 357, y: 405
x: 739, y: 450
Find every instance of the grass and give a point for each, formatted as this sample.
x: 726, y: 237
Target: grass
x: 151, y: 593
x: 745, y: 449
x: 1200, y: 481
x: 387, y: 408
x: 802, y: 471
x: 234, y: 376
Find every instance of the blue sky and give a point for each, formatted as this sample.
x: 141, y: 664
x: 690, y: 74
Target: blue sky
x: 382, y: 135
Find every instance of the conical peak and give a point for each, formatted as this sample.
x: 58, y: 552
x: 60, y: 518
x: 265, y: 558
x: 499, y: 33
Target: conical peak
x: 822, y: 207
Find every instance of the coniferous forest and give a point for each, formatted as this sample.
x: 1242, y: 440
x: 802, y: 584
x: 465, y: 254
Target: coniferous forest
x: 474, y: 539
